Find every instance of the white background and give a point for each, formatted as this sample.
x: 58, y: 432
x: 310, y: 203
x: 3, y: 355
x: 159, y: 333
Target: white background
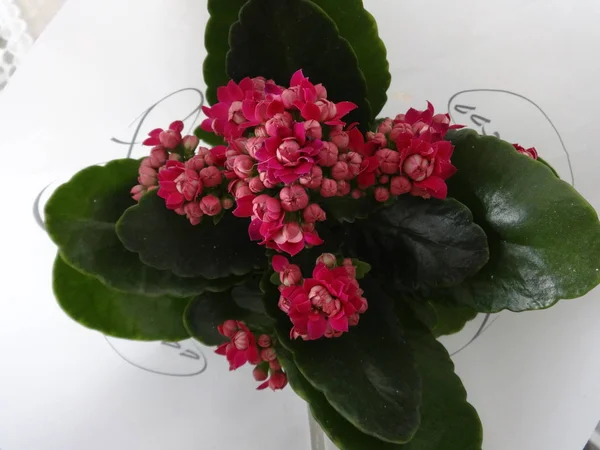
x: 534, y: 377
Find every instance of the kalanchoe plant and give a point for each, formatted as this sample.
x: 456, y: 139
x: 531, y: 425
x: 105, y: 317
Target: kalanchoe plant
x: 303, y: 239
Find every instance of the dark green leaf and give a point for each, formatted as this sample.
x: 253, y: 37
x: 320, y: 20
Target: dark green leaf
x: 368, y: 374
x: 81, y: 217
x: 208, y: 138
x: 249, y: 296
x: 544, y: 237
x: 417, y: 243
x: 362, y: 268
x: 167, y: 241
x: 123, y: 315
x: 359, y: 28
x: 451, y: 318
x: 347, y: 209
x: 543, y: 161
x: 209, y: 310
x: 223, y: 13
x: 275, y: 38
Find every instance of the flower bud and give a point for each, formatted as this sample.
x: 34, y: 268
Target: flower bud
x: 210, y: 176
x: 228, y: 328
x: 268, y: 354
x: 400, y: 185
x: 274, y: 365
x: 291, y: 275
x: 190, y: 143
x: 227, y: 203
x: 328, y: 259
x: 195, y: 163
x: 328, y: 155
x: 313, y: 213
x: 386, y: 126
x: 241, y: 340
x: 313, y: 129
x: 343, y: 188
x: 260, y: 374
x: 383, y: 179
x: 264, y: 341
x: 193, y: 212
x: 382, y: 194
x: 312, y: 180
x: 356, y: 194
x: 137, y: 191
x: 170, y: 138
x: 388, y: 160
x: 255, y: 185
x: 278, y: 380
x: 340, y: 138
x: 243, y: 166
x: 417, y: 167
x: 339, y: 171
x: 210, y: 205
x: 158, y: 157
x: 293, y: 198
x: 328, y: 187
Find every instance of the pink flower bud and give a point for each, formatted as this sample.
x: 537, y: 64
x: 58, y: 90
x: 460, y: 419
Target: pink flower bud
x: 278, y: 381
x: 235, y: 113
x: 279, y: 121
x: 202, y: 151
x: 137, y: 191
x: 284, y: 304
x: 241, y: 190
x: 158, y: 157
x: 327, y: 108
x: 386, y: 126
x: 228, y: 328
x: 189, y: 184
x: 313, y: 129
x: 291, y: 275
x: 290, y: 96
x: 349, y: 266
x: 268, y: 354
x: 312, y: 180
x: 170, y: 138
x: 291, y: 232
x: 243, y: 166
x: 253, y: 144
x: 274, y: 365
x: 293, y: 198
x: 261, y: 132
x: 174, y: 157
x: 328, y: 187
x: 354, y: 161
x: 328, y: 259
x: 340, y: 138
x: 382, y: 194
x: 383, y: 179
x: 343, y: 188
x: 147, y: 175
x: 378, y: 139
x: 288, y: 151
x: 531, y: 152
x: 401, y: 130
x: 313, y: 213
x: 211, y: 176
x: 255, y: 185
x: 241, y: 340
x: 328, y: 155
x: 260, y: 374
x: 417, y: 167
x: 400, y: 185
x: 195, y: 163
x: 419, y: 128
x: 353, y: 319
x: 339, y: 171
x: 264, y: 341
x: 266, y: 208
x: 308, y: 227
x: 356, y: 194
x: 193, y: 212
x: 239, y: 145
x: 321, y: 91
x: 264, y: 177
x: 227, y: 203
x: 388, y: 160
x: 210, y: 205
x: 190, y: 143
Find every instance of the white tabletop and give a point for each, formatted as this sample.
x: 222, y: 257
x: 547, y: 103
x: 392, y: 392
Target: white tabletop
x: 534, y: 377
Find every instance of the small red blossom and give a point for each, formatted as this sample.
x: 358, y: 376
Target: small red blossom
x: 531, y: 151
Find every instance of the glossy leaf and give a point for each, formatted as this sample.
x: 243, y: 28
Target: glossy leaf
x: 417, y: 243
x: 209, y: 310
x: 80, y: 218
x: 223, y: 13
x: 118, y: 314
x: 359, y: 28
x: 544, y: 237
x: 451, y: 318
x: 348, y: 209
x: 368, y: 375
x: 292, y: 35
x: 206, y: 138
x: 167, y: 241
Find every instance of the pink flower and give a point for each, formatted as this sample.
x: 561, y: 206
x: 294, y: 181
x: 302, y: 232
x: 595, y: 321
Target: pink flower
x: 313, y: 129
x: 241, y: 349
x: 189, y: 184
x: 382, y: 194
x: 313, y: 213
x: 255, y: 185
x: 290, y: 238
x: 379, y: 139
x: 253, y: 144
x: 168, y: 189
x: 293, y: 198
x: 340, y: 138
x: 210, y: 205
x: 417, y: 167
x: 340, y: 170
x: 328, y: 188
x: 531, y: 152
x: 169, y: 138
x: 243, y: 166
x: 267, y: 209
x: 400, y: 185
x: 195, y: 163
x: 279, y: 125
x: 291, y: 275
x: 193, y: 212
x: 354, y: 161
x: 211, y: 176
x: 401, y: 133
x: 328, y: 154
x: 313, y: 179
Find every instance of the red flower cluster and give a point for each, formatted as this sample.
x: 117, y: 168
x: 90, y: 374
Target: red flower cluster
x: 531, y: 152
x: 244, y: 347
x: 412, y: 155
x: 326, y: 304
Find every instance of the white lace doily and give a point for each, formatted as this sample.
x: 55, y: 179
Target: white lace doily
x: 14, y: 39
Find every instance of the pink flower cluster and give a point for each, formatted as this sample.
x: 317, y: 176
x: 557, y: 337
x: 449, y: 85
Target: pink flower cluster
x: 531, y: 152
x: 326, y: 304
x: 412, y: 155
x: 244, y: 347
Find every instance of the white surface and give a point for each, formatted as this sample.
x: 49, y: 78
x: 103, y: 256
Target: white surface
x: 534, y: 377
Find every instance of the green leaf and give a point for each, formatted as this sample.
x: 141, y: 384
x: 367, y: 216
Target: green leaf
x: 448, y: 422
x: 544, y: 237
x: 209, y: 310
x: 275, y: 38
x: 368, y: 374
x: 417, y: 243
x: 208, y: 138
x: 543, y: 161
x: 80, y: 218
x: 451, y: 318
x: 359, y: 28
x: 223, y: 13
x: 348, y: 209
x: 167, y: 241
x: 123, y: 315
x: 362, y: 268
x: 249, y: 296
